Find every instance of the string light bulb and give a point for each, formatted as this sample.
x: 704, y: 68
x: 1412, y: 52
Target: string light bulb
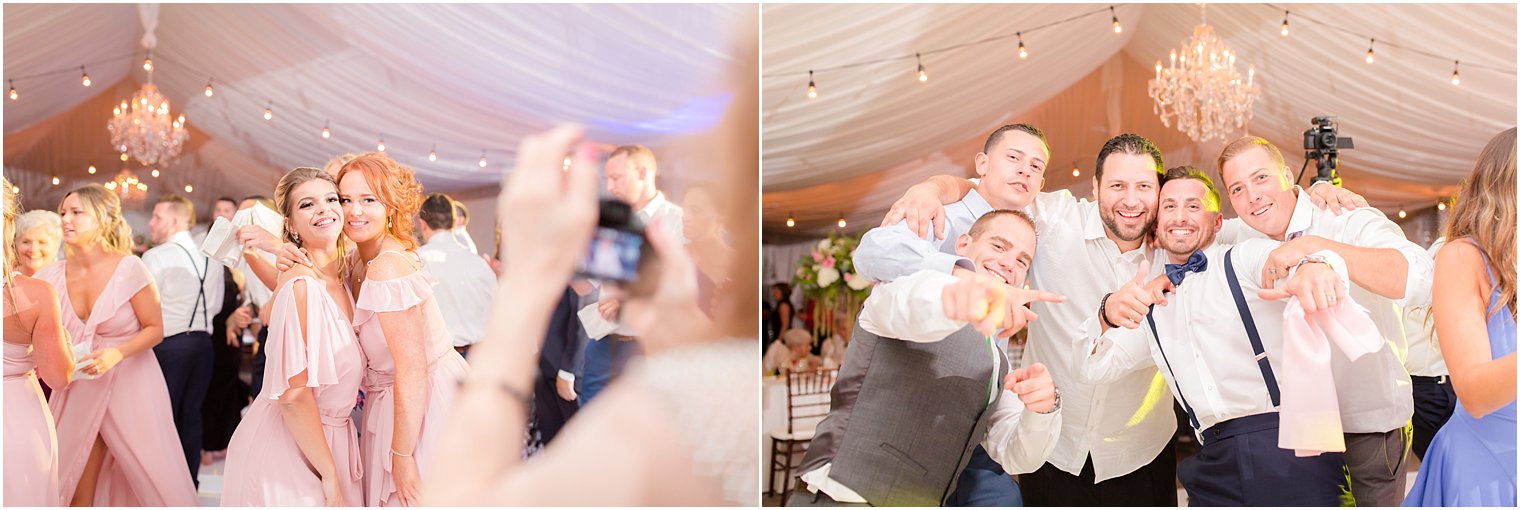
x: 56, y: 181
x: 269, y: 111
x: 433, y: 153
x: 14, y: 95
x: 1023, y: 52
x: 209, y: 91
x: 155, y: 173
x: 380, y: 146
x: 1076, y: 171
x: 91, y: 170
x: 482, y: 159
x: 1369, y: 50
x: 1402, y: 213
x: 189, y: 188
x: 326, y: 132
x: 812, y: 87
x: 1456, y: 79
x: 841, y: 220
x: 148, y: 62
x: 1441, y: 205
x: 790, y: 220
x: 85, y: 77
x: 923, y: 75
x: 1285, y: 24
x: 1117, y: 28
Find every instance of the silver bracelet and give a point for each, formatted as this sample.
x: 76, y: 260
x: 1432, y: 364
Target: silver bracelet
x: 399, y: 454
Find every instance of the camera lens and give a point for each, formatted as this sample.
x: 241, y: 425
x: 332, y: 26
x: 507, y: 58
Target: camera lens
x: 1327, y: 140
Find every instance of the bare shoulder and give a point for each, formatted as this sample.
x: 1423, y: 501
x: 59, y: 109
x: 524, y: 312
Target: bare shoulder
x: 294, y: 272
x: 1459, y: 257
x: 390, y: 265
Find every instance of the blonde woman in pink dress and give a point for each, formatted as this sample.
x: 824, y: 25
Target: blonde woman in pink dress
x: 297, y: 445
x: 35, y: 344
x: 116, y: 439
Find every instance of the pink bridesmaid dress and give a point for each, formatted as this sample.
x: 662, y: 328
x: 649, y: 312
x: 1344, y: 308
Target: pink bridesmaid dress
x: 445, y: 369
x: 127, y: 407
x: 31, y: 441
x: 265, y: 467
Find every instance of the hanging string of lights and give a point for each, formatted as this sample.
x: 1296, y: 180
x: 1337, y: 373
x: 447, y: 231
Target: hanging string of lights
x: 267, y: 106
x: 1023, y: 50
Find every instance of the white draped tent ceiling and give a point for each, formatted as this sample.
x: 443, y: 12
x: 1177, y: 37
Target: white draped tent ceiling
x: 463, y: 78
x: 875, y: 129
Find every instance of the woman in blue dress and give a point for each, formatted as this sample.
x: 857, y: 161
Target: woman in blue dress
x: 1471, y: 461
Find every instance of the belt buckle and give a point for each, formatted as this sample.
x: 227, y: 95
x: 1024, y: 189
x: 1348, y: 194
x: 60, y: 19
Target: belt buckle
x: 1441, y: 380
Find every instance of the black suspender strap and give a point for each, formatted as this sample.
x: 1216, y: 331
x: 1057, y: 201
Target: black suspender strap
x: 1250, y: 325
x: 200, y: 298
x: 1192, y: 417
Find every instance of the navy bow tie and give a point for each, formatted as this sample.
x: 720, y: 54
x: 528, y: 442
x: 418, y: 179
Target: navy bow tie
x: 1195, y: 264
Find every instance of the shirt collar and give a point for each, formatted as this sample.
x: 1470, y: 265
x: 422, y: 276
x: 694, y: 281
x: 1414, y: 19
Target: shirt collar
x: 976, y: 204
x: 181, y: 237
x: 440, y: 239
x: 1303, y: 213
x: 654, y: 205
x: 1092, y: 224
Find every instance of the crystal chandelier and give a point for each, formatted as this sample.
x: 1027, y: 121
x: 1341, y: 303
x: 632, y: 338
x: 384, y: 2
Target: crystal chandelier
x: 143, y: 128
x: 1201, y: 89
x: 127, y: 185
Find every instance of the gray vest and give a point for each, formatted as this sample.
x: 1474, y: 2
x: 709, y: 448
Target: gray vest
x: 905, y: 416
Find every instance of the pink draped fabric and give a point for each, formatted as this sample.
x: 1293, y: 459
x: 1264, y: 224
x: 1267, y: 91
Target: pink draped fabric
x: 1310, y: 411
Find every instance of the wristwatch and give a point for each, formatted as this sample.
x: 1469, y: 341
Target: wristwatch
x: 1318, y: 259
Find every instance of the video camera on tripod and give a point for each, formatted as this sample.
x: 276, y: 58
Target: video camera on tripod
x: 1323, y: 145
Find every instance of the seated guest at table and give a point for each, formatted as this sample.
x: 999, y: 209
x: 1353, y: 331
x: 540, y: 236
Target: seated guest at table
x: 38, y: 236
x: 1213, y: 369
x: 1471, y: 461
x: 35, y: 345
x: 792, y: 353
x: 926, y: 359
x: 834, y: 347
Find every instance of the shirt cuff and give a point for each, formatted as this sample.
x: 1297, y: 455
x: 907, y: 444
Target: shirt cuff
x: 567, y: 376
x: 945, y: 262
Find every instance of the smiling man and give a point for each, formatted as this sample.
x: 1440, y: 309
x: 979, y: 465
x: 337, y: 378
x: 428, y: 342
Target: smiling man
x: 1387, y: 272
x: 1218, y: 342
x: 918, y: 391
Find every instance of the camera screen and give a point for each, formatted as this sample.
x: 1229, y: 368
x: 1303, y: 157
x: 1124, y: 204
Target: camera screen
x: 613, y: 255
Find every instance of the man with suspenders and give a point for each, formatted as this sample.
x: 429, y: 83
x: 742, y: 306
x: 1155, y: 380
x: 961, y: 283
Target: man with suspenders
x: 1217, y: 339
x: 190, y: 291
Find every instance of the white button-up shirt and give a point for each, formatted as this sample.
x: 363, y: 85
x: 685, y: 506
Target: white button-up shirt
x: 1203, y: 352
x: 1425, y: 358
x: 463, y: 283
x: 177, y: 266
x: 463, y: 239
x: 1119, y: 424
x: 1383, y: 394
x: 667, y: 212
x: 911, y: 309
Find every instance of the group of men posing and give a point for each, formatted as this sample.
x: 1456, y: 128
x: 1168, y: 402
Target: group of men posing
x: 1144, y: 293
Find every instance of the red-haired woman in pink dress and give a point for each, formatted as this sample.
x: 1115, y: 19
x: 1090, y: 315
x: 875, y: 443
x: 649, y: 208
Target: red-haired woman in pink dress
x: 116, y: 439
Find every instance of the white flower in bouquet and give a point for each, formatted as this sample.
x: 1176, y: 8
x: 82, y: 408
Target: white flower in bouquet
x: 827, y: 276
x: 856, y: 282
x: 824, y: 245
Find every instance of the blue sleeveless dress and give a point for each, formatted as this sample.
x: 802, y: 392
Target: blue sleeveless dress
x: 1471, y: 461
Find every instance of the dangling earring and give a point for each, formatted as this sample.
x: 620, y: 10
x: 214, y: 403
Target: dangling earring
x: 295, y: 237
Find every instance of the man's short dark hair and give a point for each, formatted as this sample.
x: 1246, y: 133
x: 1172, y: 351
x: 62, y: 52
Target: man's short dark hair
x: 1129, y: 143
x: 228, y: 200
x: 997, y: 136
x: 437, y: 211
x: 1192, y: 172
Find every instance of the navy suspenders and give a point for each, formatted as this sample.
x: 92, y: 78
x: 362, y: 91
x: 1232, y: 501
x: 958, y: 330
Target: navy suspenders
x: 1250, y: 326
x: 200, y: 298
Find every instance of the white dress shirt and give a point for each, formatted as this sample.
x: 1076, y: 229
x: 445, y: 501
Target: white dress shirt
x: 667, y: 212
x: 463, y: 239
x: 463, y: 283
x: 177, y: 266
x: 253, y: 288
x: 910, y: 309
x: 1118, y: 424
x: 1203, y: 351
x: 1383, y: 394
x: 1425, y: 358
